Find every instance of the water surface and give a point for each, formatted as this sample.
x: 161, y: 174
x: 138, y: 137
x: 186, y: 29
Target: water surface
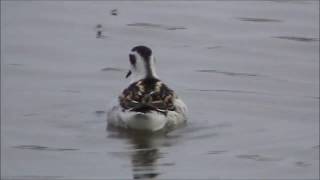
x: 248, y: 71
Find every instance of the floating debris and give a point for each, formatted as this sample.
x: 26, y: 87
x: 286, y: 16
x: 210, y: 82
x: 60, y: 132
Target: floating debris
x: 114, y: 12
x: 99, y: 30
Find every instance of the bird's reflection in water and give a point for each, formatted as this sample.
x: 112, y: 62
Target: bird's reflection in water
x: 145, y: 152
x: 145, y: 156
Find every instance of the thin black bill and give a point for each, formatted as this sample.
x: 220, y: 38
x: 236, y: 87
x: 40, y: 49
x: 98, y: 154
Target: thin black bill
x: 128, y: 74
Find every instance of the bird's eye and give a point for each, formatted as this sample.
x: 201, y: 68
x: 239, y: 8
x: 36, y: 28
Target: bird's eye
x: 133, y: 60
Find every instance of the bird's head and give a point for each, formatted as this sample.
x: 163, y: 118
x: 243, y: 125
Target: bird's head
x: 141, y: 63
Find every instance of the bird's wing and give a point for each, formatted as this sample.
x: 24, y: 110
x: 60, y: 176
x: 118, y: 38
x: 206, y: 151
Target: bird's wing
x: 141, y: 96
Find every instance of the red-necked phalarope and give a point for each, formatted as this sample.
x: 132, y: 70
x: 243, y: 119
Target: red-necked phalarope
x: 147, y: 103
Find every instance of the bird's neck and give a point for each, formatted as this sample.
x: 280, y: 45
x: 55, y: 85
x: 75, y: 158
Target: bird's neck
x: 147, y: 72
x: 150, y: 70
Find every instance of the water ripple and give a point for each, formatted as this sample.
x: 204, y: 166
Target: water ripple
x: 43, y: 148
x: 158, y: 26
x: 227, y: 73
x: 257, y: 157
x: 263, y: 20
x: 297, y: 38
x: 112, y: 69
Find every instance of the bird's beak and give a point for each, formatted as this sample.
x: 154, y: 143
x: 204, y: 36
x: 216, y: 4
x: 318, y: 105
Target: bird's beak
x: 128, y: 74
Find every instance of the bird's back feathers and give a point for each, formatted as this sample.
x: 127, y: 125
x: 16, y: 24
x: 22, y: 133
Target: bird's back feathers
x: 147, y: 94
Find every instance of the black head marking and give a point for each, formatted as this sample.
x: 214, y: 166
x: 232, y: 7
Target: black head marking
x: 133, y: 60
x: 144, y: 51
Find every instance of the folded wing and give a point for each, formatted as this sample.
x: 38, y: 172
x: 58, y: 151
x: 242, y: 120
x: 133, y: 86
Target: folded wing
x: 147, y: 95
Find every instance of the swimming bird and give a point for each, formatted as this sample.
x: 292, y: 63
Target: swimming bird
x: 147, y: 103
